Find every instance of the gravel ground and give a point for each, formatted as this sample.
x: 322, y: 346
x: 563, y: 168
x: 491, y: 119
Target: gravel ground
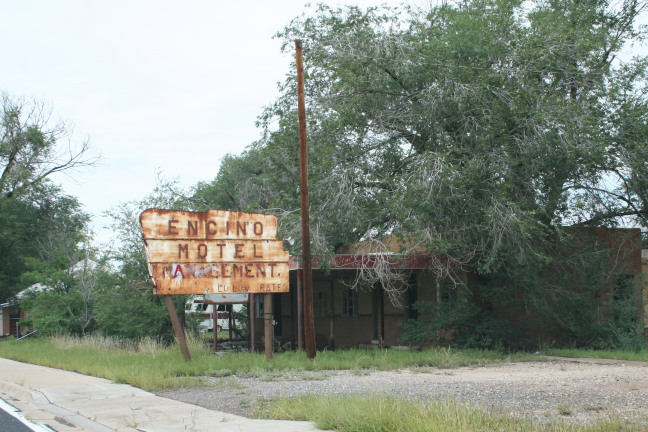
x: 569, y: 390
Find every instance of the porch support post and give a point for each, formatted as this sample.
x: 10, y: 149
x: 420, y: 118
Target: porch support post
x: 215, y: 327
x: 331, y: 315
x: 381, y: 317
x: 268, y: 326
x: 251, y: 319
x: 229, y: 320
x: 300, y: 310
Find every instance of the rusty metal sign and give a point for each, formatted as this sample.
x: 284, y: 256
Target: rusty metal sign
x: 214, y: 252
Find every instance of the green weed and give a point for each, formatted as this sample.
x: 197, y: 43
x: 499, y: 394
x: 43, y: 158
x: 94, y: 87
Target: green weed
x: 151, y: 365
x: 385, y: 413
x: 628, y: 355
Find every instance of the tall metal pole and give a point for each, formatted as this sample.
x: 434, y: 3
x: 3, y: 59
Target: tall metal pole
x: 309, y: 323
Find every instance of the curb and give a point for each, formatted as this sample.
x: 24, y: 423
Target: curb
x: 19, y: 392
x: 38, y: 401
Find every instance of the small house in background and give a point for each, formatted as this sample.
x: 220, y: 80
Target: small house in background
x: 10, y: 315
x: 5, y: 320
x: 17, y: 313
x: 348, y: 315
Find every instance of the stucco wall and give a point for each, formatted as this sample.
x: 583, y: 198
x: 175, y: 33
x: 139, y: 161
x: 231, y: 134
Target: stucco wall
x: 5, y: 322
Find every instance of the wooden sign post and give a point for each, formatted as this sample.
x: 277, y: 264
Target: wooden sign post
x: 213, y: 252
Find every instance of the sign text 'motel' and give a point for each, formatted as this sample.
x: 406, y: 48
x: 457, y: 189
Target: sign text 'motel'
x: 215, y: 251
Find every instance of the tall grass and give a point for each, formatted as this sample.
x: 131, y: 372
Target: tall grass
x: 150, y: 365
x: 145, y: 363
x: 384, y: 413
x: 638, y: 355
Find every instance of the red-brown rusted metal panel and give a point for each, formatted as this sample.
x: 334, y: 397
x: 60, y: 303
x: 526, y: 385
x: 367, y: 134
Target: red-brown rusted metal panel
x: 213, y: 278
x: 216, y: 251
x: 221, y: 251
x: 212, y: 224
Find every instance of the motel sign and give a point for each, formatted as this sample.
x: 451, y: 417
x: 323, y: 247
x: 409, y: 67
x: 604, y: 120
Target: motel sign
x: 214, y: 252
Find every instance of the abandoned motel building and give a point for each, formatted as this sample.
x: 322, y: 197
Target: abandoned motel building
x: 347, y: 315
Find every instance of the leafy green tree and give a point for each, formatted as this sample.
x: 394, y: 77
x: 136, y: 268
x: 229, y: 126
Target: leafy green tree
x: 126, y: 306
x: 32, y: 148
x: 475, y: 130
x: 109, y: 294
x: 37, y: 219
x: 63, y: 299
x: 41, y: 228
x: 131, y: 312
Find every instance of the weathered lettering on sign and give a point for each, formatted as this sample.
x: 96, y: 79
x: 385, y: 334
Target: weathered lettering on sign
x: 216, y: 251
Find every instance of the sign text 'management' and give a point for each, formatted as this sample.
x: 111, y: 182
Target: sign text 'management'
x: 215, y: 251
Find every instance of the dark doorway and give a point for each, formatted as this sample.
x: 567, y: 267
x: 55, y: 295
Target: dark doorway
x: 411, y: 297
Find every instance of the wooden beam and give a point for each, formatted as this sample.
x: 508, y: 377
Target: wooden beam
x: 215, y: 326
x: 268, y: 327
x: 300, y: 310
x: 251, y: 319
x: 177, y: 327
x: 331, y: 314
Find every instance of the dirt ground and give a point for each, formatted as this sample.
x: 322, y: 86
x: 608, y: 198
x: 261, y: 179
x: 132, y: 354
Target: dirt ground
x: 575, y: 390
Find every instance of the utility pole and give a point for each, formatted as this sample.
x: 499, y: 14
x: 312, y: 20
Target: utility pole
x: 309, y: 323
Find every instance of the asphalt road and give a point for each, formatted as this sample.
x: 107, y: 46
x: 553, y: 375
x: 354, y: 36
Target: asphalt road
x: 10, y: 420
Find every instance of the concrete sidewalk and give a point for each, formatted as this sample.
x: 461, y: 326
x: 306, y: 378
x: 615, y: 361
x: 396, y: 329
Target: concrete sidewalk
x: 67, y: 401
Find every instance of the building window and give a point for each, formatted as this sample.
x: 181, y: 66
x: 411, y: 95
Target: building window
x: 350, y: 302
x: 624, y: 307
x: 320, y: 304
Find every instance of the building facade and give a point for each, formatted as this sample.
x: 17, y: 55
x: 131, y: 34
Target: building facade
x: 348, y: 314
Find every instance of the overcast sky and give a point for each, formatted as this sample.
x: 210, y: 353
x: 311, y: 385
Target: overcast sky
x: 153, y: 84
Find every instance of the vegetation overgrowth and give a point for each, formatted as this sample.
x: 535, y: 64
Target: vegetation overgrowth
x: 498, y: 136
x: 151, y: 365
x: 384, y: 413
x: 629, y: 355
